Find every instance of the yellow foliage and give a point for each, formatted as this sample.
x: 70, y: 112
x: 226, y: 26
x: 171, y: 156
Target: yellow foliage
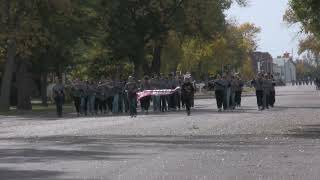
x: 247, y: 69
x: 231, y: 49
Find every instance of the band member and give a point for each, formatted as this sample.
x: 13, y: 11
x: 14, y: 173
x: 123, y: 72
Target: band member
x: 76, y: 95
x: 91, y: 97
x: 187, y: 93
x: 101, y: 98
x: 163, y: 98
x: 220, y: 85
x: 257, y: 83
x: 109, y: 94
x: 58, y: 94
x: 227, y: 91
x: 178, y: 93
x: 84, y: 98
x: 172, y: 84
x: 272, y: 92
x: 266, y: 85
x: 239, y: 90
x: 132, y: 89
x: 145, y: 101
x: 233, y: 87
x: 155, y: 83
x: 116, y: 97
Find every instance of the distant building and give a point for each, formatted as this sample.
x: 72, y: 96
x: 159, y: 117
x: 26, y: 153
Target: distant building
x: 262, y: 62
x: 277, y: 72
x: 284, y: 68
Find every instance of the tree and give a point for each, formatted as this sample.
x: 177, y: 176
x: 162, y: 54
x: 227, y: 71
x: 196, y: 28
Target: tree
x: 32, y: 30
x: 306, y: 13
x: 198, y: 54
x: 12, y: 16
x: 133, y: 25
x: 311, y: 45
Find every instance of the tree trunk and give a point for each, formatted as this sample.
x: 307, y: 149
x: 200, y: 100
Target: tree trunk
x: 44, y: 84
x: 138, y: 72
x: 24, y: 87
x: 146, y: 69
x: 7, y: 76
x: 138, y: 59
x: 156, y: 61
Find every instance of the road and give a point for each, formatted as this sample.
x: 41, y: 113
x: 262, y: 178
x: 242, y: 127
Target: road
x: 280, y: 143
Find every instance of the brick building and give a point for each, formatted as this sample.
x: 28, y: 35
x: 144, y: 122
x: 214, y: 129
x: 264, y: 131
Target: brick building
x: 262, y: 62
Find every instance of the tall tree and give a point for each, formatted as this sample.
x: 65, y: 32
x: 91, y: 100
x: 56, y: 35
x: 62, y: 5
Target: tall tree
x: 12, y: 16
x: 134, y: 24
x: 311, y: 45
x: 31, y: 28
x: 306, y: 13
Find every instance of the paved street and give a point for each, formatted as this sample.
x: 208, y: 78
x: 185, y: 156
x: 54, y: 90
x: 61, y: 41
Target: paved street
x: 280, y: 143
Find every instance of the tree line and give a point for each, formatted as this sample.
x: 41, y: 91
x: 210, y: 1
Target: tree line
x: 116, y: 38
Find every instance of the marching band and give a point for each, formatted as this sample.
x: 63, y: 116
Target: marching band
x: 167, y: 93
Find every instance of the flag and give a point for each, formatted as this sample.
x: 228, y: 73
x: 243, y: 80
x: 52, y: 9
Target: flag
x: 158, y: 92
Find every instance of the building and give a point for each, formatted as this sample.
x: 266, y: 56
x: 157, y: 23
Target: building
x: 276, y: 71
x: 284, y: 69
x: 262, y: 62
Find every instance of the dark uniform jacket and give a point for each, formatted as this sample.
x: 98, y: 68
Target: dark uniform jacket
x: 131, y: 88
x: 187, y: 90
x: 258, y: 84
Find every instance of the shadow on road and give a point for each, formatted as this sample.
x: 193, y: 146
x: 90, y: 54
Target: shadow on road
x: 10, y: 174
x: 306, y: 132
x: 118, y: 147
x: 34, y: 155
x: 52, y: 117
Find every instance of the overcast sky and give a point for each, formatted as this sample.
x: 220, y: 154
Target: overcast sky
x: 276, y: 37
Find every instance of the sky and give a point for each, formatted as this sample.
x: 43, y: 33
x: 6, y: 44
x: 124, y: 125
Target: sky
x: 275, y: 37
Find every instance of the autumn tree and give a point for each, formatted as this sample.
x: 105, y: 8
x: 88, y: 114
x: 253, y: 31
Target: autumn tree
x: 306, y: 13
x: 42, y: 37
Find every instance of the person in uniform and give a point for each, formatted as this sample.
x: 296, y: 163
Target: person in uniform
x: 178, y: 93
x: 101, y: 98
x: 272, y: 92
x: 163, y: 84
x: 121, y: 96
x: 116, y: 102
x: 227, y: 94
x: 132, y: 89
x: 76, y: 95
x: 145, y: 101
x: 239, y: 89
x: 219, y: 85
x: 154, y: 83
x: 187, y: 91
x: 172, y: 84
x: 257, y: 83
x: 266, y: 85
x: 58, y: 95
x: 84, y: 97
x: 91, y: 97
x: 109, y: 94
x: 233, y: 87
